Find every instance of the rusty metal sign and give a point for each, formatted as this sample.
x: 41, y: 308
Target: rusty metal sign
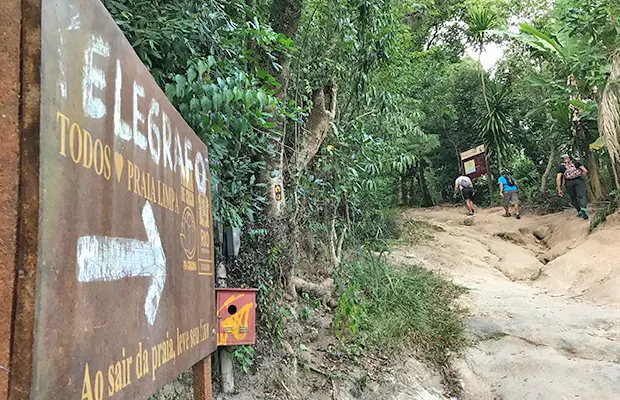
x: 125, y: 286
x: 474, y: 162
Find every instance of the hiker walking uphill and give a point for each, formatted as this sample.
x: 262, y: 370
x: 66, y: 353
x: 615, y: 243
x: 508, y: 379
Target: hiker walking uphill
x: 573, y: 173
x: 466, y: 186
x: 509, y: 193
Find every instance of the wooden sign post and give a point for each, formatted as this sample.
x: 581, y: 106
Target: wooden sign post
x: 106, y: 215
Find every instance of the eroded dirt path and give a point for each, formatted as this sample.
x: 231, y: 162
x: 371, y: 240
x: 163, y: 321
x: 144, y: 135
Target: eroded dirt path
x: 546, y: 314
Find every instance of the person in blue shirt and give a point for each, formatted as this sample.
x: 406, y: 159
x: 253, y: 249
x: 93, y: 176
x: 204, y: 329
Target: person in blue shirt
x: 509, y: 193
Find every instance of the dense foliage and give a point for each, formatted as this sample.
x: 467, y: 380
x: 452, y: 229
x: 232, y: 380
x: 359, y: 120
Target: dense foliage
x: 353, y: 107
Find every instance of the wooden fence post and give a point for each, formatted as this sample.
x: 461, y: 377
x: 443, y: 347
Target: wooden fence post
x: 203, y: 389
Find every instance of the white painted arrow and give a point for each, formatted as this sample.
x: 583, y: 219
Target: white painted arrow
x: 106, y: 259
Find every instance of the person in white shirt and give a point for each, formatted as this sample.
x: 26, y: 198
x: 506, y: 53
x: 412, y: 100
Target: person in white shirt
x: 466, y: 186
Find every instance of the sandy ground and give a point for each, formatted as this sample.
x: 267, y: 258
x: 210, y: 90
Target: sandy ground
x: 545, y: 313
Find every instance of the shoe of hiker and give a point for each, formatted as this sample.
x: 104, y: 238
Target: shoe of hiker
x: 509, y: 193
x: 571, y: 174
x: 466, y: 187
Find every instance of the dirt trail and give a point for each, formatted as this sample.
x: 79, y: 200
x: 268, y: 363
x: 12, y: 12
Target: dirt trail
x: 545, y: 313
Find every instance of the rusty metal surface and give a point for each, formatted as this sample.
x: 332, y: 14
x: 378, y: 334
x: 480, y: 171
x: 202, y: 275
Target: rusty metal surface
x: 236, y: 316
x: 201, y: 372
x: 10, y: 27
x: 125, y: 287
x: 480, y: 163
x: 26, y: 260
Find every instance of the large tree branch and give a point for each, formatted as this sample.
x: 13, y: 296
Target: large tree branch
x: 321, y: 115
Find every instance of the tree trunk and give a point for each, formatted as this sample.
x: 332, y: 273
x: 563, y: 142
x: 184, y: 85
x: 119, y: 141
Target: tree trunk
x: 593, y: 175
x: 412, y: 187
x: 336, y: 241
x: 609, y: 117
x: 285, y: 17
x: 500, y: 162
x: 482, y: 79
x: 405, y: 185
x: 399, y: 193
x: 545, y: 177
x: 577, y: 130
x: 427, y: 200
x: 490, y: 181
x: 459, y: 161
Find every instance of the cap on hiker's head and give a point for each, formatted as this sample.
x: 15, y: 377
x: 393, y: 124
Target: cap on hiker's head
x: 565, y: 156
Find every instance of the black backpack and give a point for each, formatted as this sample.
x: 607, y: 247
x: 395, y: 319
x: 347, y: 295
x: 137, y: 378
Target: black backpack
x: 510, y: 180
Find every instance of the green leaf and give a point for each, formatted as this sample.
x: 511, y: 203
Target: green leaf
x: 180, y: 80
x: 582, y: 105
x: 205, y: 102
x: 538, y: 81
x: 303, y: 347
x: 202, y: 67
x: 194, y: 104
x: 228, y: 95
x: 191, y: 74
x: 217, y: 101
x: 180, y: 91
x: 569, y: 43
x: 170, y: 90
x: 543, y: 41
x: 261, y: 98
x: 598, y: 144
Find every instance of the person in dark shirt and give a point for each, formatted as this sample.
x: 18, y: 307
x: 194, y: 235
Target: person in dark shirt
x: 572, y: 172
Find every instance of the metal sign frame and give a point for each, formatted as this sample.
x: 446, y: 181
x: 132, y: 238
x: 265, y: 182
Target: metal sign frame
x: 67, y: 207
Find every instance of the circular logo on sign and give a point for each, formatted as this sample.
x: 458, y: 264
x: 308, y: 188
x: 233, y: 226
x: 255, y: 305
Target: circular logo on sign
x: 188, y: 233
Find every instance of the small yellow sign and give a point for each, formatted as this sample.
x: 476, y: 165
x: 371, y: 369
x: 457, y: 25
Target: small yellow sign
x: 278, y: 191
x: 470, y: 167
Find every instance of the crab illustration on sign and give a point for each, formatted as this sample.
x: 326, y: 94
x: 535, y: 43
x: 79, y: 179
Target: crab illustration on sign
x: 188, y: 233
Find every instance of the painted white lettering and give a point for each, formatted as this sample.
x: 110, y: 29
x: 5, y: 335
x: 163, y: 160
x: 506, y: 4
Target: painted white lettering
x: 138, y: 137
x: 154, y: 133
x: 168, y: 143
x: 201, y: 173
x: 62, y: 82
x: 93, y: 77
x: 189, y: 167
x: 121, y: 128
x: 178, y: 156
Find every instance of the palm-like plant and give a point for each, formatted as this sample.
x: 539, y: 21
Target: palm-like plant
x: 563, y: 48
x: 494, y: 124
x: 480, y: 21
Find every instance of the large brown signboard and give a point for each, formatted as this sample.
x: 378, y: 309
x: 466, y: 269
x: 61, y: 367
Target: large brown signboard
x: 125, y: 287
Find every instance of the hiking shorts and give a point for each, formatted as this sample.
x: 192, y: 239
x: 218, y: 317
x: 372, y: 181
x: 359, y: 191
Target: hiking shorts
x: 468, y: 193
x: 511, y: 198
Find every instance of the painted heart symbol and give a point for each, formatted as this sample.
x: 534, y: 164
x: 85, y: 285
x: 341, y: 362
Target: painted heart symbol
x: 118, y: 163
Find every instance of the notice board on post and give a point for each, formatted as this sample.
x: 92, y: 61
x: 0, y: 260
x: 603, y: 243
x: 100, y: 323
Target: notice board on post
x: 125, y: 297
x: 474, y: 162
